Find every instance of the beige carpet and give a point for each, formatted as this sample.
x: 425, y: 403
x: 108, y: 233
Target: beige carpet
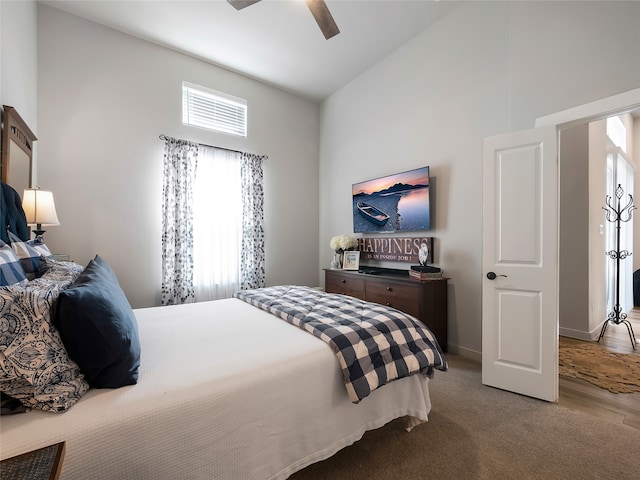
x: 617, y: 372
x: 476, y: 432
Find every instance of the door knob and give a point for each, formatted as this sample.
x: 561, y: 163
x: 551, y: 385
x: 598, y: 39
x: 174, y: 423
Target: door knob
x: 493, y: 276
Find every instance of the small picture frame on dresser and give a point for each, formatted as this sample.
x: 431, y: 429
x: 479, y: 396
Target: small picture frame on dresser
x: 351, y: 260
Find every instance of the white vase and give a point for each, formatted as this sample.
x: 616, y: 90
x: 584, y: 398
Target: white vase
x: 336, y: 263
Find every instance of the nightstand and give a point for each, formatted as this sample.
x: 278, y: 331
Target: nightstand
x: 42, y: 464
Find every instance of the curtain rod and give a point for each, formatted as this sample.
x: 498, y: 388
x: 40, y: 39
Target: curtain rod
x: 164, y: 137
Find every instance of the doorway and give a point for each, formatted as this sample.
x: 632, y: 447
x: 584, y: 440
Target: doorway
x: 609, y: 144
x: 585, y: 234
x: 537, y: 149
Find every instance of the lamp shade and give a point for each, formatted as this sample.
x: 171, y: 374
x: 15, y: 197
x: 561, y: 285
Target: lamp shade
x: 39, y: 207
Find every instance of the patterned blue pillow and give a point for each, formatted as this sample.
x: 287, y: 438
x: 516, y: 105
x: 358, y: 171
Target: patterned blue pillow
x: 29, y: 253
x: 11, y: 270
x: 35, y: 368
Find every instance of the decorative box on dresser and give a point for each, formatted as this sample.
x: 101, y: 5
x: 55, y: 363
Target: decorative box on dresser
x: 425, y: 300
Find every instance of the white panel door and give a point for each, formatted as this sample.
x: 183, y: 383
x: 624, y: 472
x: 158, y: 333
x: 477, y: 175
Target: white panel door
x: 520, y: 261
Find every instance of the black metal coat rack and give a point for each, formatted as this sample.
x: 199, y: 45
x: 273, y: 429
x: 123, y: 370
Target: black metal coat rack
x: 618, y: 214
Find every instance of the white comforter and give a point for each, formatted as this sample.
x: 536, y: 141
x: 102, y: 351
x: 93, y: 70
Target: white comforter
x: 226, y: 391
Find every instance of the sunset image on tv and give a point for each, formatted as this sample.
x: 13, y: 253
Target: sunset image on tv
x: 398, y: 202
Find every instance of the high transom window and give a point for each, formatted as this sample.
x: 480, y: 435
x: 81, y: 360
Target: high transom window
x: 207, y: 108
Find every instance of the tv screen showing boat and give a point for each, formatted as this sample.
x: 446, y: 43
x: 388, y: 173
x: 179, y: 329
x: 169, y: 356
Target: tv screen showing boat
x: 394, y: 203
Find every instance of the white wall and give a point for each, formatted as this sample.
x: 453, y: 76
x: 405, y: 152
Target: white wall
x: 104, y: 98
x: 487, y: 68
x: 574, y: 231
x: 598, y: 309
x: 19, y: 59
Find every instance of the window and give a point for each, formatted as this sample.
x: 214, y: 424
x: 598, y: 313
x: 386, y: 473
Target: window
x: 617, y: 132
x: 620, y: 172
x: 206, y: 108
x: 217, y: 224
x: 212, y: 222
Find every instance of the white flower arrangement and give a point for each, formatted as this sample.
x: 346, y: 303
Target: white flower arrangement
x: 341, y: 243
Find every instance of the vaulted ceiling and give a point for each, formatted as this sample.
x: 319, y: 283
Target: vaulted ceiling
x: 275, y: 41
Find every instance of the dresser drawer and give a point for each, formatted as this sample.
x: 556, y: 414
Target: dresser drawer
x: 401, y: 296
x: 427, y: 301
x: 344, y: 283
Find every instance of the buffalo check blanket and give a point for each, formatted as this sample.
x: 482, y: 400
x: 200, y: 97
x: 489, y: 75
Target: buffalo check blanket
x: 374, y: 344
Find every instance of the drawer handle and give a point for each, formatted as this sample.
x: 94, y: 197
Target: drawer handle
x: 343, y: 281
x: 389, y: 289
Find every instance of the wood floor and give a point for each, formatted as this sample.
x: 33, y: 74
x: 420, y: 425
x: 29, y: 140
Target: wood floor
x: 620, y: 408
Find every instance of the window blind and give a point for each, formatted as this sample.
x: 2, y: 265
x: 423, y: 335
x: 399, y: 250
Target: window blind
x: 207, y: 108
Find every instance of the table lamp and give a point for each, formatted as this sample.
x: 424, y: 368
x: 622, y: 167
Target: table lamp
x: 40, y: 209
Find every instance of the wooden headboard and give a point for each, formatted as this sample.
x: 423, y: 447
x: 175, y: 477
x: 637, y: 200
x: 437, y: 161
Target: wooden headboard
x: 16, y: 166
x: 17, y: 150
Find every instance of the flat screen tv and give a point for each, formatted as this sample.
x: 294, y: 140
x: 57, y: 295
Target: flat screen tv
x: 395, y: 203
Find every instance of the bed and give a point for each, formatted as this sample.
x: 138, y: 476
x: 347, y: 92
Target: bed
x: 224, y: 390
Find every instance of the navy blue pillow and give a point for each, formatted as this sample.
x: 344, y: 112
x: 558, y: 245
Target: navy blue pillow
x: 103, y: 263
x: 98, y: 327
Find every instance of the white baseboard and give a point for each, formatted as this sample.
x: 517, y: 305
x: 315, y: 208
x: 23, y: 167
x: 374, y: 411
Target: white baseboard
x: 578, y: 334
x: 581, y: 334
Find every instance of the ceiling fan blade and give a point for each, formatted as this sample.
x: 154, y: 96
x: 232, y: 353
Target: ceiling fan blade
x: 240, y: 4
x: 323, y: 18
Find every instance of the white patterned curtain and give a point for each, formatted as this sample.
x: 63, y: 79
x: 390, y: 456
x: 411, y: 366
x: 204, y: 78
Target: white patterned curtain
x: 217, y: 224
x: 180, y: 163
x: 252, y: 262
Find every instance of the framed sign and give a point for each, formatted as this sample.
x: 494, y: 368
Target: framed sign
x: 351, y: 260
x: 397, y: 249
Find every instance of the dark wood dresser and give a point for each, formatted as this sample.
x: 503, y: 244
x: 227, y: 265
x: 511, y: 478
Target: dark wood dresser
x: 425, y: 300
